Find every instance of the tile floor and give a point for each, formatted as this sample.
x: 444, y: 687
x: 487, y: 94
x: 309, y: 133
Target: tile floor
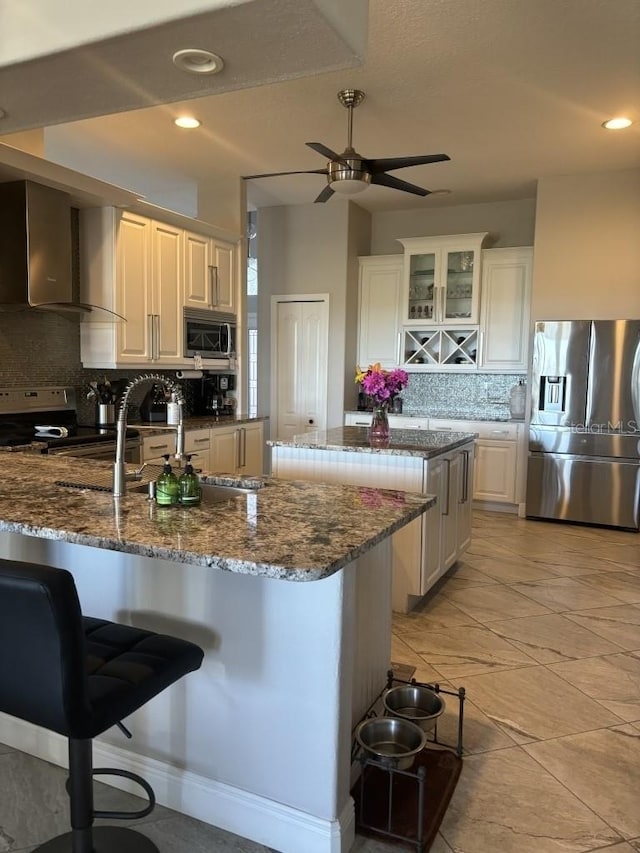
x: 541, y: 624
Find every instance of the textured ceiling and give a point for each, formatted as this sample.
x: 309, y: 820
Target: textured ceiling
x: 511, y: 90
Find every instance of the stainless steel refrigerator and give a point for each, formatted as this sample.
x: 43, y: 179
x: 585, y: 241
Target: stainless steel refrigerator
x: 584, y: 434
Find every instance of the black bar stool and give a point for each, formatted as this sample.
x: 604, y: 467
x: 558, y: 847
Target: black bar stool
x: 79, y: 676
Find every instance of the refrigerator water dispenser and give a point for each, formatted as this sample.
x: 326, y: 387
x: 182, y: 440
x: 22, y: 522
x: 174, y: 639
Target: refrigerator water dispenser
x: 553, y: 393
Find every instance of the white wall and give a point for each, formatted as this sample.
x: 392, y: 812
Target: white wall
x: 587, y: 246
x: 512, y: 223
x: 312, y: 248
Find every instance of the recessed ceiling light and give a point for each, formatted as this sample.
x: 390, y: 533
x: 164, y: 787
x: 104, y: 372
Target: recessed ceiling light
x: 196, y: 61
x: 187, y: 122
x: 617, y: 123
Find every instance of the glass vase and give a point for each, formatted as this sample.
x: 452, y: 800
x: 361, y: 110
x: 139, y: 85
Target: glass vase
x: 379, y: 430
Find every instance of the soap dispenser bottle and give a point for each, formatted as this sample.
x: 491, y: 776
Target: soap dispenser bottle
x: 189, y: 492
x: 167, y: 485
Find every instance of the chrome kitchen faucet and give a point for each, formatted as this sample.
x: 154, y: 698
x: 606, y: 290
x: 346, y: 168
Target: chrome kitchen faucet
x: 120, y: 475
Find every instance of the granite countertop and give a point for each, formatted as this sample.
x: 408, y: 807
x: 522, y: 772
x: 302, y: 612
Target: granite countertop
x: 200, y: 422
x: 403, y: 442
x: 450, y: 415
x: 289, y: 530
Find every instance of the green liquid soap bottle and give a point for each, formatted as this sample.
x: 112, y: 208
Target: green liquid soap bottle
x: 167, y: 485
x: 190, y: 492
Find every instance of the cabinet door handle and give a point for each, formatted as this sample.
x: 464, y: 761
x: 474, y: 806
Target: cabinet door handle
x: 499, y: 432
x: 448, y: 464
x: 398, y: 349
x: 236, y: 438
x: 150, y: 335
x: 156, y: 336
x: 244, y: 446
x: 158, y: 447
x: 465, y: 478
x: 200, y: 440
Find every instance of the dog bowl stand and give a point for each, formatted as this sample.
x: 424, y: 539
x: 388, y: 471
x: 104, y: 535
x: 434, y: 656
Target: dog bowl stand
x: 394, y: 773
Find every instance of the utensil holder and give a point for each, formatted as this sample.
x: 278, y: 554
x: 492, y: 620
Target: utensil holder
x: 106, y: 414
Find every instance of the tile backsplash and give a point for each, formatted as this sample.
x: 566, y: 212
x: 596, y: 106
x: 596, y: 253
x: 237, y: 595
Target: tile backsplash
x: 465, y: 395
x: 39, y: 348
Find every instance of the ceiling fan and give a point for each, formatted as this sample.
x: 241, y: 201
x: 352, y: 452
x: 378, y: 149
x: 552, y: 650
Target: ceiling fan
x: 349, y: 173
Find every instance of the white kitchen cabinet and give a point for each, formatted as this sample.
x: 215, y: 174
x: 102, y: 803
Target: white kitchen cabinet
x: 395, y: 421
x: 506, y: 302
x: 498, y: 456
x: 210, y: 273
x: 450, y: 477
x: 133, y: 266
x: 154, y: 447
x: 197, y: 443
x: 238, y: 449
x: 380, y: 294
x: 442, y: 280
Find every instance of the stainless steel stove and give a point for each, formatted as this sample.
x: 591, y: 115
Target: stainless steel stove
x: 48, y: 417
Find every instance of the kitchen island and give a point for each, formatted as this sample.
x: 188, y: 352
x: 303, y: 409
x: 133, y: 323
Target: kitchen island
x: 437, y: 463
x: 287, y: 589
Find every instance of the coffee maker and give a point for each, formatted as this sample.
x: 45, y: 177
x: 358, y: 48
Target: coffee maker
x: 211, y: 395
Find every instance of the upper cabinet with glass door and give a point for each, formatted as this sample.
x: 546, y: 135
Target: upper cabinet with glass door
x: 442, y: 280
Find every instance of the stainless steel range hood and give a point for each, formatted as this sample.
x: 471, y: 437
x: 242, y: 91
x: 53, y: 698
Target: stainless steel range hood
x: 35, y: 249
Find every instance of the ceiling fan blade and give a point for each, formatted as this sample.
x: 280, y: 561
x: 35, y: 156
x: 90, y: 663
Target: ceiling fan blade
x: 325, y: 195
x: 387, y: 164
x: 276, y: 174
x: 397, y: 184
x: 319, y: 148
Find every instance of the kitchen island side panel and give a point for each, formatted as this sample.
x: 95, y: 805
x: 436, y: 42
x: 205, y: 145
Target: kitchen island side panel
x: 258, y: 740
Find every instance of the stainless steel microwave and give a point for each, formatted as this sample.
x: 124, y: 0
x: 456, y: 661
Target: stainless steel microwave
x: 211, y: 335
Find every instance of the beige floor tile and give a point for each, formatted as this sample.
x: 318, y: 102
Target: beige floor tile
x: 627, y: 555
x: 619, y: 624
x: 479, y: 733
x: 402, y: 653
x: 552, y: 639
x: 491, y: 603
x: 625, y: 586
x: 507, y: 803
x: 533, y: 703
x: 614, y: 681
x: 510, y: 570
x: 458, y: 652
x: 464, y: 574
x: 568, y: 564
x: 485, y: 548
x: 562, y: 594
x: 603, y: 769
x: 435, y: 612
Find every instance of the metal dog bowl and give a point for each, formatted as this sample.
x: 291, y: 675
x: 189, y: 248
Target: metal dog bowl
x: 391, y: 741
x: 412, y: 702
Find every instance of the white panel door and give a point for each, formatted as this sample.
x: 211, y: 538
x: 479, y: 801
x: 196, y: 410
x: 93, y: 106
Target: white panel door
x: 300, y: 362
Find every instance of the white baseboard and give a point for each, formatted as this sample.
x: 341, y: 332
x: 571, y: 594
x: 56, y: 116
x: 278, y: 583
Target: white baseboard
x: 496, y: 506
x: 264, y: 821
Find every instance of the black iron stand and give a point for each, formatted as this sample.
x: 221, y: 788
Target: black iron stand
x: 393, y: 772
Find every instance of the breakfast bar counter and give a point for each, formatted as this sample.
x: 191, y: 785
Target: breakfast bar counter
x: 258, y: 741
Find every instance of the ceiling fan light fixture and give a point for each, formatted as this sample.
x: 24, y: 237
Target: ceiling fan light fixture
x: 193, y: 60
x: 618, y: 123
x: 348, y: 186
